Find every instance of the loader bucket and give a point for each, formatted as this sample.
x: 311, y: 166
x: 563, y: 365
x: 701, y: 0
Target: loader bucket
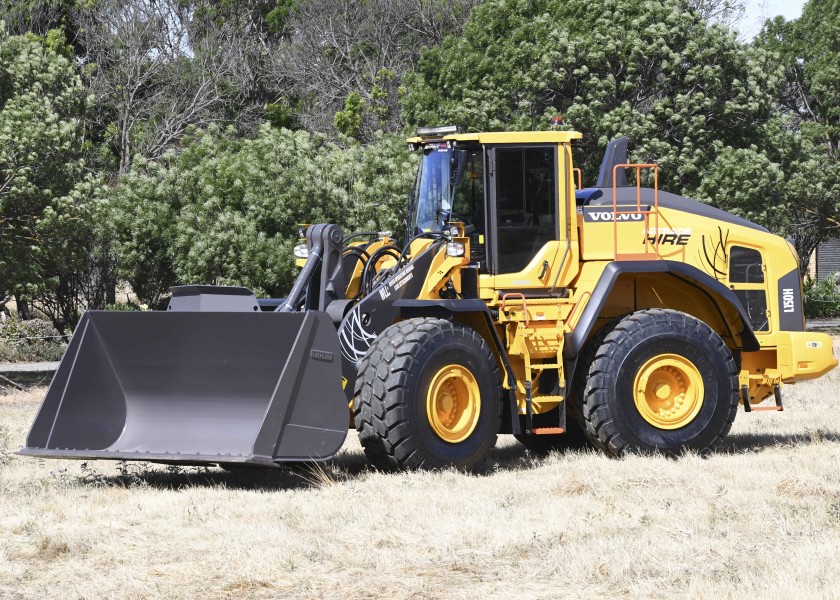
x: 196, y: 387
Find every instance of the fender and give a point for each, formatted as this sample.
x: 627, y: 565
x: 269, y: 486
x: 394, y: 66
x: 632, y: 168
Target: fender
x: 441, y: 309
x: 575, y: 340
x: 447, y: 309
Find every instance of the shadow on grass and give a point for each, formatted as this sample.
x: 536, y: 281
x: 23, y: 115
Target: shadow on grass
x: 344, y: 467
x: 757, y: 442
x: 349, y: 466
x: 514, y: 457
x: 294, y: 476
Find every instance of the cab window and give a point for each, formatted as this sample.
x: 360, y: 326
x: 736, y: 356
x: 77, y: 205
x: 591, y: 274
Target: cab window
x: 526, y: 204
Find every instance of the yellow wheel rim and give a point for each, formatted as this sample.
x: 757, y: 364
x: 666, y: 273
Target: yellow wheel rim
x: 668, y: 391
x: 453, y: 403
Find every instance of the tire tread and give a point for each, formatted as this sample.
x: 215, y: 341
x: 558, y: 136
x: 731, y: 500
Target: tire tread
x: 380, y: 415
x: 596, y: 413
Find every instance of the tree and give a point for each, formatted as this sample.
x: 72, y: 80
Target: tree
x: 746, y: 182
x: 349, y: 57
x: 42, y: 102
x: 807, y: 137
x: 809, y: 50
x: 227, y: 210
x: 142, y: 209
x: 156, y: 69
x: 79, y: 268
x: 244, y: 205
x: 379, y: 178
x: 680, y: 88
x: 39, y: 17
x: 724, y: 12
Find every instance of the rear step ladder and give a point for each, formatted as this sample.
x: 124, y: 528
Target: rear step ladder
x: 745, y: 399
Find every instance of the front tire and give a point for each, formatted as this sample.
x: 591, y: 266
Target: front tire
x: 428, y: 396
x: 661, y: 381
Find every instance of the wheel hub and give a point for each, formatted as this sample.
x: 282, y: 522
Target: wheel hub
x: 453, y: 403
x: 668, y: 391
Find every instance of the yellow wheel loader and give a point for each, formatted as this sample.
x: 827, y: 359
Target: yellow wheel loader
x: 620, y: 316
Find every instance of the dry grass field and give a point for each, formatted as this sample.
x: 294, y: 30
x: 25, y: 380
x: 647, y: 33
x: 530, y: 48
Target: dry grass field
x: 760, y: 518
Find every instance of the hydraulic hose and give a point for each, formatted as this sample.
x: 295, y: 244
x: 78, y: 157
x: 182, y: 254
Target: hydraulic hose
x: 367, y: 272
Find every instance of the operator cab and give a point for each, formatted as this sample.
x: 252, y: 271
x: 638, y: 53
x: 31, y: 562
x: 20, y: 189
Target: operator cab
x: 505, y: 194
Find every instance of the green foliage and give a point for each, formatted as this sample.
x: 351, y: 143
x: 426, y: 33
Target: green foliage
x: 56, y: 42
x: 822, y: 298
x: 745, y: 182
x: 126, y: 307
x: 349, y: 121
x: 29, y: 341
x: 277, y: 17
x: 809, y: 49
x: 142, y: 211
x: 754, y: 129
x: 281, y: 114
x: 227, y: 210
x: 243, y: 202
x: 806, y: 141
x: 655, y: 71
x: 378, y: 178
x: 380, y: 94
x: 812, y: 188
x: 41, y: 16
x: 42, y: 205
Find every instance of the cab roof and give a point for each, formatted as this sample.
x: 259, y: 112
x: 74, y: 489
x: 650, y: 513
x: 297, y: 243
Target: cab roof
x: 504, y: 137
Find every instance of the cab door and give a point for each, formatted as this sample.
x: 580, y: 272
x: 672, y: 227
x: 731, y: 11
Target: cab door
x: 528, y: 222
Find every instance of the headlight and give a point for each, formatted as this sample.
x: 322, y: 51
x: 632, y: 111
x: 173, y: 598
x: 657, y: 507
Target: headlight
x: 454, y: 249
x: 301, y: 251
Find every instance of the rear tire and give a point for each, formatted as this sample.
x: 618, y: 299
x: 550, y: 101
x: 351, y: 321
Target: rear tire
x: 661, y: 381
x: 428, y: 396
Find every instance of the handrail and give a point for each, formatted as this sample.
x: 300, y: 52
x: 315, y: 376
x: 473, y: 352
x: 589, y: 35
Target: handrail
x: 524, y: 304
x: 647, y: 213
x: 579, y: 174
x: 569, y: 320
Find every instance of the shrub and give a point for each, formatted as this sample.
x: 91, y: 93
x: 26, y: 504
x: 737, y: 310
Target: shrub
x: 227, y: 211
x: 822, y: 298
x: 126, y: 307
x: 29, y: 341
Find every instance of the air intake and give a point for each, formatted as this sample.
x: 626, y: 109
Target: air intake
x: 755, y: 303
x: 745, y: 265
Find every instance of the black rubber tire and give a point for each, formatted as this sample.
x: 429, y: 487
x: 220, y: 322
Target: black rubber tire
x: 389, y: 408
x: 613, y: 422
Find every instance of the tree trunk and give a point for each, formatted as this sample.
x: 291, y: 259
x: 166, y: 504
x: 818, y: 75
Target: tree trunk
x: 24, y: 312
